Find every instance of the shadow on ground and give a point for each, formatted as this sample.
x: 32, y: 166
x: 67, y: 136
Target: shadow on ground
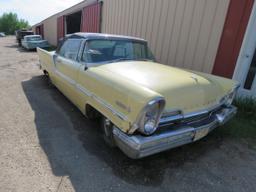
x: 19, y: 48
x: 75, y: 148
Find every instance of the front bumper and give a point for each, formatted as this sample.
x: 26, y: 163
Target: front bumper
x: 138, y: 146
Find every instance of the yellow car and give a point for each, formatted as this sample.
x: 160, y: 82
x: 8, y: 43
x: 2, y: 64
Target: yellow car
x: 145, y: 107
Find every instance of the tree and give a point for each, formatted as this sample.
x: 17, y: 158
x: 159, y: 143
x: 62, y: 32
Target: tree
x: 9, y: 23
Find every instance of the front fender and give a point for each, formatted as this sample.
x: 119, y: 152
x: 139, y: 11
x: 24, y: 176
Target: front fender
x: 119, y: 99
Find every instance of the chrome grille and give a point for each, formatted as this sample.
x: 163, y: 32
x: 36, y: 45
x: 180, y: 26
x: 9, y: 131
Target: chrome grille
x: 189, y: 119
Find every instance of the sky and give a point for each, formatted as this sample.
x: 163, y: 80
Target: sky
x: 35, y: 11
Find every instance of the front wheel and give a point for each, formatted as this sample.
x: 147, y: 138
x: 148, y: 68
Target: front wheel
x: 107, y: 128
x: 48, y: 79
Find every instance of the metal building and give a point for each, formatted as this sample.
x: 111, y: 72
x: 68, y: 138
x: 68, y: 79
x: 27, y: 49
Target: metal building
x: 205, y: 35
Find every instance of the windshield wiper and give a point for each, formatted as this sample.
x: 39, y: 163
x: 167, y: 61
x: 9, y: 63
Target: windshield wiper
x: 128, y: 59
x: 144, y: 59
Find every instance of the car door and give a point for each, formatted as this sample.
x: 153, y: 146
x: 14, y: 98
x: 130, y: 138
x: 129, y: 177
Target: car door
x: 67, y: 67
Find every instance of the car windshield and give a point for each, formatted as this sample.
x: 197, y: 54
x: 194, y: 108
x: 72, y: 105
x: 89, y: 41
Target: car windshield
x: 102, y: 50
x: 36, y: 38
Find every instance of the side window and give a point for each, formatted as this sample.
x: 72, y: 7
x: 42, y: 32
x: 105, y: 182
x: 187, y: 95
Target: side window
x: 70, y: 48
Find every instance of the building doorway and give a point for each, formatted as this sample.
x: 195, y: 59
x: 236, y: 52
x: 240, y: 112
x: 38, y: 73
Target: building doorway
x: 245, y: 71
x: 73, y: 22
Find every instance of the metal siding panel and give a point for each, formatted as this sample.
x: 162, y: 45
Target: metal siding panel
x: 194, y: 35
x: 176, y: 31
x: 155, y: 26
x: 184, y: 33
x: 205, y: 34
x: 145, y: 20
x: 135, y: 17
x: 214, y: 39
x: 150, y: 23
x: 169, y: 28
x: 122, y: 16
x: 130, y: 15
x: 161, y: 29
x: 141, y: 7
x: 118, y: 16
x: 127, y: 17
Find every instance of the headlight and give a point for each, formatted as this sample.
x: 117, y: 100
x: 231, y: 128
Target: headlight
x: 150, y: 116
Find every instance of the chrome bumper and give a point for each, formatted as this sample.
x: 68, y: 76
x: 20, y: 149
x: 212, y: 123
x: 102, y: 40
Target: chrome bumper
x: 138, y: 146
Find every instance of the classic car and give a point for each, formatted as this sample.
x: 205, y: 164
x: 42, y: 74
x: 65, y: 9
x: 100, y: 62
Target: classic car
x: 145, y: 107
x: 21, y: 33
x: 34, y: 41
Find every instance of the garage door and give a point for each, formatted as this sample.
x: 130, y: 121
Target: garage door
x: 91, y: 17
x: 60, y: 27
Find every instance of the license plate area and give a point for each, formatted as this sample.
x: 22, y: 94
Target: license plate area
x: 200, y: 133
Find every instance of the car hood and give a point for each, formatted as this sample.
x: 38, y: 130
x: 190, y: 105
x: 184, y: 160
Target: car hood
x: 184, y: 90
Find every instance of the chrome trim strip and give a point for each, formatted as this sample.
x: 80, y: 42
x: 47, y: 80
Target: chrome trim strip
x: 92, y: 95
x: 68, y: 79
x: 101, y: 101
x: 171, y: 118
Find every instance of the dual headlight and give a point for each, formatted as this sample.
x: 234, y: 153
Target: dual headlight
x: 150, y: 116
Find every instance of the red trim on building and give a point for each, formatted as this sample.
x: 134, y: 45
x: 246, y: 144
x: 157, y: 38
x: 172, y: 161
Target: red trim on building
x: 91, y: 18
x: 233, y: 33
x: 60, y: 27
x: 40, y: 30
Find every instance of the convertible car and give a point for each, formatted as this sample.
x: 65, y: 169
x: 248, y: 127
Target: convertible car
x: 145, y: 107
x: 34, y: 41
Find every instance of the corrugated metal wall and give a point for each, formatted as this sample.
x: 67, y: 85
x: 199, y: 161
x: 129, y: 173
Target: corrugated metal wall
x: 183, y: 33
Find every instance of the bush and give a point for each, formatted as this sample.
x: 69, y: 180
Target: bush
x: 243, y: 125
x: 9, y: 23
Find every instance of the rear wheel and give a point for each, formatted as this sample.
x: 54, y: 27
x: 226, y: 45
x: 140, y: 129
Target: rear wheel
x: 107, y: 128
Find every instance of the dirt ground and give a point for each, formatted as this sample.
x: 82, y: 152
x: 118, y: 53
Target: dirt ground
x: 47, y: 145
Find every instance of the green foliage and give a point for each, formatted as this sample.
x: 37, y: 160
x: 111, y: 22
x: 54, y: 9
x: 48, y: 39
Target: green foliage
x: 247, y: 107
x: 244, y: 124
x: 9, y: 23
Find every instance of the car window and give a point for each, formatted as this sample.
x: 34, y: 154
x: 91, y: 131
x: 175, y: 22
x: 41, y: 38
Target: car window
x: 35, y: 38
x: 70, y: 48
x: 97, y: 51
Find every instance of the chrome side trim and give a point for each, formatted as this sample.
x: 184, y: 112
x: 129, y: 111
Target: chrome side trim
x: 92, y: 95
x: 68, y: 79
x: 101, y: 101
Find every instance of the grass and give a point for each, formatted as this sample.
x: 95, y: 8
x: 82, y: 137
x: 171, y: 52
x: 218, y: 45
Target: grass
x: 243, y: 125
